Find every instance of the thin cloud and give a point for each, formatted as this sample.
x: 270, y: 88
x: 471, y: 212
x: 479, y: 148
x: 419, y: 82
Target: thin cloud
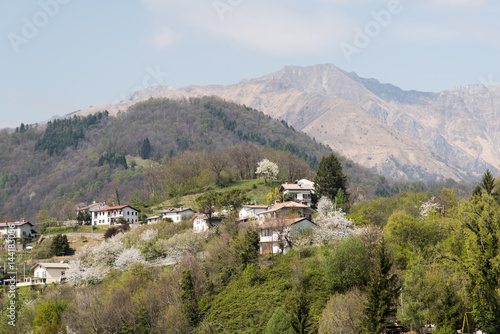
x: 277, y: 29
x: 164, y: 37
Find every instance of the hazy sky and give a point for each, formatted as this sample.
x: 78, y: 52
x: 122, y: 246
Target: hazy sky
x: 59, y: 56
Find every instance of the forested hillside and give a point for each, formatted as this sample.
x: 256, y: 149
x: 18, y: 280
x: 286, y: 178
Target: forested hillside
x: 62, y: 163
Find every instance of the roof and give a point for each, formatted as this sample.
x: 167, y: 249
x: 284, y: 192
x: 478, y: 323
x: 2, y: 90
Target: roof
x: 51, y: 265
x: 283, y: 222
x: 176, y: 210
x: 115, y: 208
x: 6, y: 224
x: 296, y: 186
x: 289, y: 204
x: 89, y: 206
x: 153, y: 217
x: 256, y: 206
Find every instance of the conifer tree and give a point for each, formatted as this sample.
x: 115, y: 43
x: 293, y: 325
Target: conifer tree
x: 383, y: 291
x: 488, y: 182
x: 189, y: 303
x: 146, y: 149
x: 329, y: 178
x: 279, y: 323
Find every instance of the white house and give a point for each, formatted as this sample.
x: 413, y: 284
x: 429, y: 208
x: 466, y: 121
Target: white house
x: 49, y: 273
x: 282, y: 210
x: 153, y: 219
x: 276, y: 236
x: 250, y: 211
x: 177, y: 214
x: 22, y: 229
x: 200, y: 222
x: 301, y: 191
x: 111, y: 215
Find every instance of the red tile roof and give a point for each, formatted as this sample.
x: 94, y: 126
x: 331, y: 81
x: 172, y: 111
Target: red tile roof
x: 115, y: 208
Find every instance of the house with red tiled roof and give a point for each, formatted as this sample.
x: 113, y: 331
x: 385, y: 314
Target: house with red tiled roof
x: 281, y: 210
x: 111, y: 215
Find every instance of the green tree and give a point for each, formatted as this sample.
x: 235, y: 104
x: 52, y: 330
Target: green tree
x: 347, y: 265
x: 208, y: 203
x: 341, y: 200
x: 48, y: 318
x: 60, y: 245
x: 480, y: 217
x: 299, y: 309
x: 329, y: 178
x: 188, y: 297
x: 232, y: 200
x: 279, y: 323
x: 488, y: 182
x: 383, y: 290
x: 247, y: 246
x: 146, y: 149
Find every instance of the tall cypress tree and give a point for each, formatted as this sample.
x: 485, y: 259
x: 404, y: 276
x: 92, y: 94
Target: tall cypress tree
x: 383, y: 291
x: 146, y: 149
x: 189, y: 303
x: 329, y: 178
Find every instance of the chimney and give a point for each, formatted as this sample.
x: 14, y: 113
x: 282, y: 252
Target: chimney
x: 276, y: 202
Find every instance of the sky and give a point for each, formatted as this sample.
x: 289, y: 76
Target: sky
x: 59, y: 56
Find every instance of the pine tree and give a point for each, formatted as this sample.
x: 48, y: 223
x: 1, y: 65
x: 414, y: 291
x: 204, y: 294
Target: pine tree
x: 60, y: 245
x: 488, y: 182
x: 329, y: 178
x: 383, y: 291
x: 189, y: 303
x: 146, y: 149
x: 279, y: 323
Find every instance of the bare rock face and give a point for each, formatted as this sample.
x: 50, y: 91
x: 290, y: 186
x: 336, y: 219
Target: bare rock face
x: 404, y: 134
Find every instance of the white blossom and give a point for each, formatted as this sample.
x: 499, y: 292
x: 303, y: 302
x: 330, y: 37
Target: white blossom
x: 268, y: 169
x: 332, y: 226
x: 127, y: 257
x: 325, y: 205
x: 428, y: 206
x: 149, y: 235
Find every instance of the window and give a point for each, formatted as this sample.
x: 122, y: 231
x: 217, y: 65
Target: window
x: 265, y: 233
x: 63, y: 273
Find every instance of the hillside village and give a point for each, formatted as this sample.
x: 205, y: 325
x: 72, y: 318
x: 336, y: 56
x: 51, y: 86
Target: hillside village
x: 245, y: 239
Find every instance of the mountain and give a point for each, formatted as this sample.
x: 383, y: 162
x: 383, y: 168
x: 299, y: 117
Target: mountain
x: 403, y: 134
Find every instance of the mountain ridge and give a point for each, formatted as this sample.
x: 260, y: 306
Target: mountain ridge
x: 414, y: 135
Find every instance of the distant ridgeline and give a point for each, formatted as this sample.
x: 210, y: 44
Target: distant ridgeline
x: 63, y: 133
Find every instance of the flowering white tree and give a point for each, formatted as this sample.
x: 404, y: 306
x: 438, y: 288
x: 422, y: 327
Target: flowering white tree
x: 187, y: 243
x: 92, y: 263
x: 325, y: 205
x: 332, y: 226
x: 267, y: 169
x: 149, y: 235
x: 430, y: 206
x: 127, y: 257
